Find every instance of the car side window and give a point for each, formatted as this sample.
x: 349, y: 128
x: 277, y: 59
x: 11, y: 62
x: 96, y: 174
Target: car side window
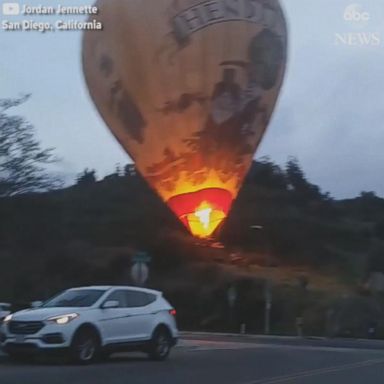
x: 118, y: 296
x: 138, y: 299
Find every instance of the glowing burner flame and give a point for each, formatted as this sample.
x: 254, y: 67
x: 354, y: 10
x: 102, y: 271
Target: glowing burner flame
x: 204, y: 220
x: 202, y: 211
x: 204, y: 215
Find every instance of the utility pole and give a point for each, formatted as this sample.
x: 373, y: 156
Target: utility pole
x: 268, y: 284
x: 268, y: 305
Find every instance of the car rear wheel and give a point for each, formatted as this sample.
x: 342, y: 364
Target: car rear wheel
x: 161, y: 344
x: 85, y: 348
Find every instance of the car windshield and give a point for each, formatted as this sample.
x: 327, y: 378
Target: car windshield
x: 75, y: 298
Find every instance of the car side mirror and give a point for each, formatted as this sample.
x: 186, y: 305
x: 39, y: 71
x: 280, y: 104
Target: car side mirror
x: 36, y: 304
x: 110, y: 304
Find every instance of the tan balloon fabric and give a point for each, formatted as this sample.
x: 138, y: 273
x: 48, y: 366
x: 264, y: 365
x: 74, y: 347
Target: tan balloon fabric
x: 187, y: 86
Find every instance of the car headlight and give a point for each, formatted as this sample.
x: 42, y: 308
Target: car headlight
x: 63, y: 319
x: 7, y: 319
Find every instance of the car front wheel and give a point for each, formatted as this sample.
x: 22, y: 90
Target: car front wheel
x: 85, y: 347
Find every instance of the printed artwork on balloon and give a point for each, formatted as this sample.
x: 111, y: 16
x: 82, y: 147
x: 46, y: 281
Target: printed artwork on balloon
x: 190, y: 97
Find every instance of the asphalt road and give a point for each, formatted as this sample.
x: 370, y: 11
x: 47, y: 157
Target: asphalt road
x: 218, y: 359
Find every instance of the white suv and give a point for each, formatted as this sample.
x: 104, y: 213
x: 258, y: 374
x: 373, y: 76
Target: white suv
x: 91, y: 322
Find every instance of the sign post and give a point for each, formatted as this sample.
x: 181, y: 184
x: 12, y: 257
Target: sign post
x: 232, y: 297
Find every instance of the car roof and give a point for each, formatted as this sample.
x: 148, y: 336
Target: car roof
x: 109, y: 287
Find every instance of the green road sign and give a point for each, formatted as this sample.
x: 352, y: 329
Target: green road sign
x: 141, y: 257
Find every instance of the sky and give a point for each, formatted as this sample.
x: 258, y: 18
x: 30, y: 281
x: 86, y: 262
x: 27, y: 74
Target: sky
x: 329, y: 114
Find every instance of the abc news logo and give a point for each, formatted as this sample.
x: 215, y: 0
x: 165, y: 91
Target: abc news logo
x: 354, y: 14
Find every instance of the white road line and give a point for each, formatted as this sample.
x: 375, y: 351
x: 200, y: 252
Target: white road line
x: 206, y: 345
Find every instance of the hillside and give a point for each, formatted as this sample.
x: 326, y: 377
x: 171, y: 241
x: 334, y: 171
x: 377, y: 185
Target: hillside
x: 86, y: 234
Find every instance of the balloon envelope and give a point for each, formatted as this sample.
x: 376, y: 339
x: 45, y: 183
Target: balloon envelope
x: 188, y: 87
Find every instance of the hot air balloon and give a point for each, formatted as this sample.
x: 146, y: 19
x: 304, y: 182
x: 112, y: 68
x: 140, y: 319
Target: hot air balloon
x: 188, y: 88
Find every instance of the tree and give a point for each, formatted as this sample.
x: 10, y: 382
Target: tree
x: 267, y: 174
x: 87, y: 177
x: 118, y: 171
x: 22, y: 160
x: 130, y: 170
x: 299, y: 184
x: 375, y: 259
